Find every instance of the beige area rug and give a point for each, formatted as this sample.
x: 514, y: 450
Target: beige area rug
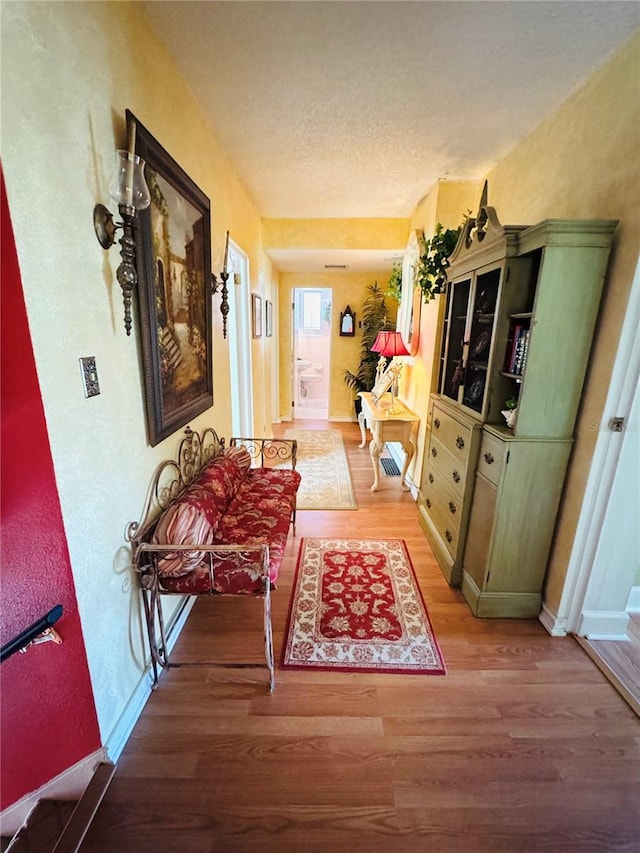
x: 322, y: 463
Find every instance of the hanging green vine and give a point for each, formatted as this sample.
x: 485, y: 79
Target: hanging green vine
x: 431, y: 269
x: 394, y: 285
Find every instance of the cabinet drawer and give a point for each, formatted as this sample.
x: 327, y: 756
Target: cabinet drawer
x: 491, y: 458
x: 455, y: 436
x: 453, y: 470
x: 443, y: 505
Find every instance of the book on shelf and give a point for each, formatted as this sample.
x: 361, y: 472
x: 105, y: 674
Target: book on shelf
x: 512, y: 340
x: 520, y: 352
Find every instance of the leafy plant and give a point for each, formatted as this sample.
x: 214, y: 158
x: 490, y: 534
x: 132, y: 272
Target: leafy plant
x: 374, y: 319
x: 394, y: 285
x: 431, y: 270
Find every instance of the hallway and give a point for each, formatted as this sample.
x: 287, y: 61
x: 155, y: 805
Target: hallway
x: 523, y: 745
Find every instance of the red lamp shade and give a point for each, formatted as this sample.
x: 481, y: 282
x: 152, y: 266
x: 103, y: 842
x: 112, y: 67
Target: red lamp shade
x: 392, y: 345
x: 379, y: 342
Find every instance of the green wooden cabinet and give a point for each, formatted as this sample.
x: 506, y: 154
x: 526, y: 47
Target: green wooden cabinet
x: 522, y: 304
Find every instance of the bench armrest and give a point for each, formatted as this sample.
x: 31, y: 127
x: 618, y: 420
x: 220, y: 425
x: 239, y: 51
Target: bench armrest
x: 268, y: 452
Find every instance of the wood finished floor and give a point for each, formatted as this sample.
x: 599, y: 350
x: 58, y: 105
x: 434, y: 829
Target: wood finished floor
x: 620, y: 661
x: 523, y: 746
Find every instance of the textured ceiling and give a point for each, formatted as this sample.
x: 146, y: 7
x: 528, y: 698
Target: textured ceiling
x: 355, y: 109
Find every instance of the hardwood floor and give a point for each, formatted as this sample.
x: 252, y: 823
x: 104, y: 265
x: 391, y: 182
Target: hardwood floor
x: 523, y: 745
x: 620, y: 661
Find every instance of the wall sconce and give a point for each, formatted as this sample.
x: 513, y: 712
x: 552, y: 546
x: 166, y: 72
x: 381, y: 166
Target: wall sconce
x: 224, y: 276
x: 129, y: 190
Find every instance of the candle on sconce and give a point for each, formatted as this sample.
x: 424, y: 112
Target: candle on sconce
x: 130, y: 164
x: 226, y: 254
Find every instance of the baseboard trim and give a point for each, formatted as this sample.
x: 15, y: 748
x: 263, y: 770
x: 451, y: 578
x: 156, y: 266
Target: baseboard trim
x: 498, y: 605
x: 603, y: 625
x: 121, y: 732
x: 68, y: 785
x: 553, y: 624
x: 633, y: 604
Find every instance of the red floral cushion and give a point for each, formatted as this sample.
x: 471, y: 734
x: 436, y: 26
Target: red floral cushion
x: 259, y: 514
x: 195, y: 516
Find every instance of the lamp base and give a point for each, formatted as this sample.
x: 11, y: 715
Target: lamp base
x: 104, y: 226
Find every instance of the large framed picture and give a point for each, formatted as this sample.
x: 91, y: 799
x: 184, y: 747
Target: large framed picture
x: 173, y: 258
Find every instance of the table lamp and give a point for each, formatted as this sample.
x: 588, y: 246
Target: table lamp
x: 392, y: 346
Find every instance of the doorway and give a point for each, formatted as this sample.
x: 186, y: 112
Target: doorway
x: 311, y: 352
x: 239, y: 336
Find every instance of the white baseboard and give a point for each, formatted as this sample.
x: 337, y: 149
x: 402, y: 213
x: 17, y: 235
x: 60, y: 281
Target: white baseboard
x: 633, y: 604
x: 553, y: 624
x: 122, y: 730
x: 603, y: 625
x: 68, y: 785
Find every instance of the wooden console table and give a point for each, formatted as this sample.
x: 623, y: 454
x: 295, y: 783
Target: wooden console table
x: 401, y: 425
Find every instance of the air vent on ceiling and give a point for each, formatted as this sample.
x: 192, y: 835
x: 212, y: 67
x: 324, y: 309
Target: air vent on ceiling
x: 335, y: 266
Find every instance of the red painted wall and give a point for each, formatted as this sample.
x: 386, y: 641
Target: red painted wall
x: 47, y: 713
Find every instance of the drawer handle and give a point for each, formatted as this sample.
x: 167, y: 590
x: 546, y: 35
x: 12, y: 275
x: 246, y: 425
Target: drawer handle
x: 448, y: 536
x: 431, y: 478
x: 455, y: 476
x: 460, y: 442
x: 488, y: 458
x: 436, y: 423
x: 434, y: 452
x: 428, y: 502
x: 452, y: 508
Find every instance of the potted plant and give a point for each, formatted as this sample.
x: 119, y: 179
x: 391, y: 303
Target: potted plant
x: 431, y: 271
x: 374, y: 319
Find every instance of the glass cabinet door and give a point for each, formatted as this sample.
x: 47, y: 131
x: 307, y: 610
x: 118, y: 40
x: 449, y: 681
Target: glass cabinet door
x: 468, y: 343
x: 482, y: 324
x: 452, y: 368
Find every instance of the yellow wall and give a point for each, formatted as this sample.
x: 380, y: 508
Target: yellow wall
x: 69, y: 71
x: 348, y: 289
x: 335, y: 233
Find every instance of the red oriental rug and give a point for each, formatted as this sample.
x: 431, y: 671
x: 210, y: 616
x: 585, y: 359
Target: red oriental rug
x: 356, y: 606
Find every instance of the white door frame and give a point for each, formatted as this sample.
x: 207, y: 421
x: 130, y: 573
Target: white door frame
x: 239, y: 335
x: 583, y: 569
x: 275, y: 356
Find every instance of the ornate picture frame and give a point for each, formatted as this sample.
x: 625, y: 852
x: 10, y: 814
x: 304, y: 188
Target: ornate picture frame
x: 347, y: 323
x: 408, y: 323
x: 173, y: 259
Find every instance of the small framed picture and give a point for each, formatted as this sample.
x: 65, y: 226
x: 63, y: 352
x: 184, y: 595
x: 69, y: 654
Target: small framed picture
x: 348, y: 323
x: 268, y: 318
x: 256, y: 311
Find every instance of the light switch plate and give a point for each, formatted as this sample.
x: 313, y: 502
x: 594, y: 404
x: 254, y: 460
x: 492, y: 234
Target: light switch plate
x: 89, y: 376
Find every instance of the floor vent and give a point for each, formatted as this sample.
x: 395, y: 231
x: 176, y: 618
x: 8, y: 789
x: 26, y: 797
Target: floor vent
x: 389, y: 467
